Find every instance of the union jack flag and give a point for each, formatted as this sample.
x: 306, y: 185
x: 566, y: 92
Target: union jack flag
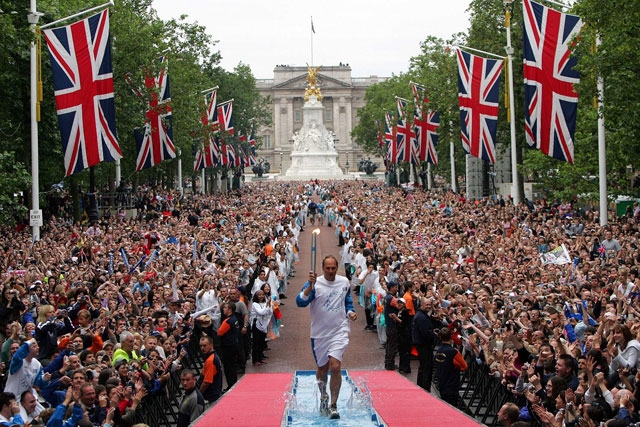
x: 478, y: 87
x: 550, y: 99
x: 426, y: 127
x: 83, y: 83
x: 223, y: 158
x: 252, y: 142
x: 404, y: 135
x: 156, y: 143
x: 248, y: 159
x: 225, y: 116
x: 233, y: 159
x: 209, y: 153
x: 209, y: 117
x: 390, y: 138
x: 204, y: 157
x: 217, y: 150
x: 419, y: 97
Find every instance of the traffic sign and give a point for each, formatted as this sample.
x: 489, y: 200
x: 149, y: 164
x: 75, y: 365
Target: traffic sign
x: 35, y: 218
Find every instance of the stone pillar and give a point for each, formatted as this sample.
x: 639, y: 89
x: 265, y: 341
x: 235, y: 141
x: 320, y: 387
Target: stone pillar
x: 474, y: 177
x: 349, y: 119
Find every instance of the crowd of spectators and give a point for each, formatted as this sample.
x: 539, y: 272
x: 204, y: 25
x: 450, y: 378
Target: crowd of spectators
x: 100, y: 315
x: 539, y: 293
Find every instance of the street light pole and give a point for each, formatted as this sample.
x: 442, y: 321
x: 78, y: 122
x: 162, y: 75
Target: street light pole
x: 180, y: 189
x: 515, y: 189
x: 36, y: 213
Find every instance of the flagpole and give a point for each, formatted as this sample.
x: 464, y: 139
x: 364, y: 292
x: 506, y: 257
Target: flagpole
x: 484, y: 52
x: 118, y: 173
x: 35, y: 214
x: 515, y: 188
x: 75, y: 15
x: 602, y: 148
x: 33, y: 17
x: 180, y: 189
x: 312, y: 41
x: 452, y: 158
x: 206, y: 91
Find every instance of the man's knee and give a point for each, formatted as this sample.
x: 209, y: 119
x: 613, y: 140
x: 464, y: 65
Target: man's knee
x: 334, y: 366
x: 322, y: 371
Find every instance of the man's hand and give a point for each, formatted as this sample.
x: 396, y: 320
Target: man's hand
x: 110, y: 413
x: 353, y: 316
x: 103, y: 401
x: 69, y: 396
x: 312, y: 278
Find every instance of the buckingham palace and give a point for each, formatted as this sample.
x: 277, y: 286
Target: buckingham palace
x: 342, y: 95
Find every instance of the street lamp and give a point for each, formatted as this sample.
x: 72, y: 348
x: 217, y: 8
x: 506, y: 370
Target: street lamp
x: 36, y: 213
x: 515, y: 189
x: 281, y: 170
x: 347, y: 164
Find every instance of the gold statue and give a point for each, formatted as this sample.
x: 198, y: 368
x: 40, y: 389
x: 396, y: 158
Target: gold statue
x: 312, y: 78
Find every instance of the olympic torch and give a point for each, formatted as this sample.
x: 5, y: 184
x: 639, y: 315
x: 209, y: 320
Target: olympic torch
x: 313, y: 249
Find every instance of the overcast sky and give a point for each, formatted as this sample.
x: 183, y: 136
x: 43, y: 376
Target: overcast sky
x: 375, y: 37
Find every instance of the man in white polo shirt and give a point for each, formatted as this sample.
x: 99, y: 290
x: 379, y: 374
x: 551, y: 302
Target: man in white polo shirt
x: 329, y: 299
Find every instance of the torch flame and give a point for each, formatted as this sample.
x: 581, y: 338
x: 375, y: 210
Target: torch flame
x: 316, y: 231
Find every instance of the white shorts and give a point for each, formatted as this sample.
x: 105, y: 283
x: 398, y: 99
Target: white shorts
x: 333, y: 346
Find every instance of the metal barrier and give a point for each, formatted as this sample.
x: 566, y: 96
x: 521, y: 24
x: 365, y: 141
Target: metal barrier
x: 482, y: 394
x: 162, y: 409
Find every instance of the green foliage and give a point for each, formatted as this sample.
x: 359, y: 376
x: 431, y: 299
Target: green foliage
x: 14, y: 181
x: 138, y: 38
x: 435, y: 70
x: 618, y: 25
x: 380, y: 98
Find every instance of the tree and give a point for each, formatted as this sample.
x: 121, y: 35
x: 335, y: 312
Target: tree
x: 433, y: 69
x: 14, y: 182
x: 436, y: 70
x: 618, y: 26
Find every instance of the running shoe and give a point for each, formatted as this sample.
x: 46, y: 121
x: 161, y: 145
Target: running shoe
x: 324, y: 405
x: 333, y: 412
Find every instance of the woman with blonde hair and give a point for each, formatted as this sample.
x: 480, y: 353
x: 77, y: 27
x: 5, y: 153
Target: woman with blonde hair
x: 50, y: 325
x: 44, y: 312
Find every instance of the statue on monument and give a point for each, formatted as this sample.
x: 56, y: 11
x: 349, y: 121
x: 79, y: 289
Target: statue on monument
x: 313, y: 151
x: 312, y: 79
x: 314, y: 138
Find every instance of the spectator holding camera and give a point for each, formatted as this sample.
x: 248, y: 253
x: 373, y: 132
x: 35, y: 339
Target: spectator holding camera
x: 11, y: 307
x: 51, y: 324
